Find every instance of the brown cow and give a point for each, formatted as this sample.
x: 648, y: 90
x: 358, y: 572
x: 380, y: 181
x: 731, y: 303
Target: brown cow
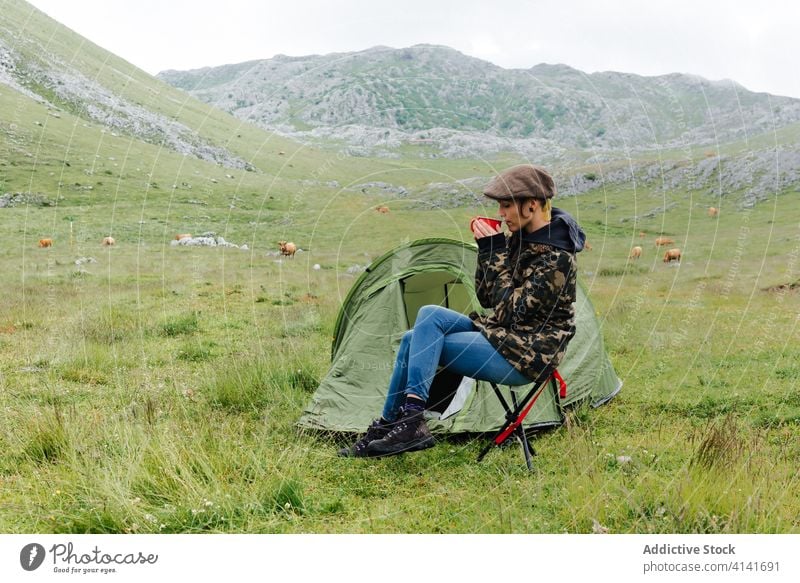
x: 287, y: 248
x: 108, y: 241
x: 636, y: 252
x: 382, y: 209
x: 672, y: 255
x: 664, y: 241
x: 713, y: 212
x: 587, y: 245
x: 45, y: 243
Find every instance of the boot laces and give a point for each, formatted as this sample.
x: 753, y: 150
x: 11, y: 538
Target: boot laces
x: 399, y: 428
x: 374, y: 431
x: 401, y: 425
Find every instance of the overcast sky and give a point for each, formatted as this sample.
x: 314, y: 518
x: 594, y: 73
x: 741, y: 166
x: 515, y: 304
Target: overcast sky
x: 754, y: 43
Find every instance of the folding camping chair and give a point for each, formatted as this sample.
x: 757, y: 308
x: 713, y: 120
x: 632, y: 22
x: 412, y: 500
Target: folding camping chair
x: 515, y: 416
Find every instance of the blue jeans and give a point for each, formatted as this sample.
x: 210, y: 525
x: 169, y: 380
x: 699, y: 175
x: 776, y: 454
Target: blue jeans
x: 444, y: 337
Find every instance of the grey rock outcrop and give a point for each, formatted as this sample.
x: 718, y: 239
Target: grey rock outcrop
x: 209, y: 239
x: 453, y: 105
x: 67, y: 88
x: 12, y: 199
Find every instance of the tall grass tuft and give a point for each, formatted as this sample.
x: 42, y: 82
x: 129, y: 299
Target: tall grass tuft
x: 93, y: 520
x: 288, y: 497
x: 197, y: 351
x: 243, y: 387
x: 251, y: 386
x: 93, y: 365
x: 308, y: 326
x: 112, y: 325
x: 47, y: 441
x: 720, y: 447
x: 180, y: 325
x: 296, y: 376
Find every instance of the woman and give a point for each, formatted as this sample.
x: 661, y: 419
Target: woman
x: 528, y: 278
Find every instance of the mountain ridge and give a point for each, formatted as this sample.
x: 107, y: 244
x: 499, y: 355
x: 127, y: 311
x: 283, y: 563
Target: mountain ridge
x: 430, y: 87
x: 594, y: 129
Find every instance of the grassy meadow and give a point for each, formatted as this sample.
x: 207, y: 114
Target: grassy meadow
x: 156, y: 389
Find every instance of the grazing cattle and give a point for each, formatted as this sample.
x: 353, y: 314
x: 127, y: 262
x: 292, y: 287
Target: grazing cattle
x: 642, y: 234
x: 287, y: 248
x: 713, y: 212
x: 636, y: 252
x: 664, y: 241
x: 108, y: 241
x: 382, y: 209
x: 587, y: 245
x: 183, y: 236
x: 45, y: 243
x: 672, y: 255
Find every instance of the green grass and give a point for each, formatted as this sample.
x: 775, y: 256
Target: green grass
x: 157, y: 389
x: 158, y: 393
x: 180, y: 325
x: 197, y: 351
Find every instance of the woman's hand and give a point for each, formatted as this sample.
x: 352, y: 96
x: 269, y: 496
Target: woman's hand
x: 481, y: 230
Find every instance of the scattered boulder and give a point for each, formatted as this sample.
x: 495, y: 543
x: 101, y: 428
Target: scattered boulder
x: 12, y: 199
x: 783, y: 287
x: 208, y: 239
x: 381, y: 188
x: 355, y: 269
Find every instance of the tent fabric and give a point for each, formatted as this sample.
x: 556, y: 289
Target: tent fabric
x: 383, y: 304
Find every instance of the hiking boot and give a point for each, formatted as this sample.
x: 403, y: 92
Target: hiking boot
x: 377, y: 430
x: 408, y: 433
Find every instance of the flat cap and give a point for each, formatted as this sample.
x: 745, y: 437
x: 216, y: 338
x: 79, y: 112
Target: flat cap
x: 519, y: 182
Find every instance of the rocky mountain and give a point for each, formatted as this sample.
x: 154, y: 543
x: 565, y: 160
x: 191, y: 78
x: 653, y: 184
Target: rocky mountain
x: 78, y: 123
x: 53, y: 66
x: 381, y: 98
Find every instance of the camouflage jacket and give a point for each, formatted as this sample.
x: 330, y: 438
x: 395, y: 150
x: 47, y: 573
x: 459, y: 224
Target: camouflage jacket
x: 529, y: 282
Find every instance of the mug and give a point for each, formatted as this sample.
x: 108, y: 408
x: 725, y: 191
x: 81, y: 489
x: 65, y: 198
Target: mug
x: 488, y: 221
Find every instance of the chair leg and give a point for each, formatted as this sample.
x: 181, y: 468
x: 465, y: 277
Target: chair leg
x: 527, y: 451
x: 506, y: 430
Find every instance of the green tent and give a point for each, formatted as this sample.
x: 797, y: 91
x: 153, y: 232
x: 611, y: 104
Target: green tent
x: 383, y: 304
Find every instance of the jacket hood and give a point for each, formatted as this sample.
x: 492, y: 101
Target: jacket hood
x: 563, y: 232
